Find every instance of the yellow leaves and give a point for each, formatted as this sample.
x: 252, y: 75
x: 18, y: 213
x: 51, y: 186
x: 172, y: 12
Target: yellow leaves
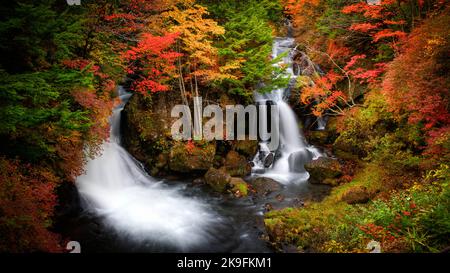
x: 232, y: 68
x: 196, y: 35
x: 432, y: 44
x: 333, y: 247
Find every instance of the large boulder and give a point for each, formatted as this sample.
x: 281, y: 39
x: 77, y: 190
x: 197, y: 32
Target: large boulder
x: 297, y: 160
x: 237, y: 165
x: 356, y: 195
x: 323, y: 170
x: 264, y: 186
x: 186, y: 159
x: 218, y: 179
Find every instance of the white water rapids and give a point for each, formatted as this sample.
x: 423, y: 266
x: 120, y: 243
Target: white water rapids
x: 116, y: 188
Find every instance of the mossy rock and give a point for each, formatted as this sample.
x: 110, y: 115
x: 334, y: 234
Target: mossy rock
x: 322, y: 169
x: 238, y: 187
x: 184, y: 160
x: 356, y: 195
x: 237, y: 165
x: 264, y: 186
x: 218, y: 179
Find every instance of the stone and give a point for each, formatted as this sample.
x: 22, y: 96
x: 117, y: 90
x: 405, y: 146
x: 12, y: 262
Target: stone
x: 198, y: 159
x: 297, y: 160
x: 323, y: 168
x: 264, y: 186
x: 238, y: 187
x: 356, y: 195
x: 237, y: 165
x: 218, y: 179
x: 268, y: 160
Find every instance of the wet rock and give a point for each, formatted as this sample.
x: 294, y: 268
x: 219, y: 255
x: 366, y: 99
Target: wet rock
x: 268, y: 160
x: 323, y: 168
x: 264, y: 186
x: 237, y: 165
x: 218, y: 179
x: 268, y: 207
x: 238, y: 187
x: 184, y: 160
x: 298, y: 203
x: 298, y: 159
x: 356, y: 195
x: 280, y: 197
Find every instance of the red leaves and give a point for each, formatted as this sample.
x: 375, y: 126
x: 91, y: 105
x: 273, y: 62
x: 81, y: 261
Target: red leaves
x: 388, y: 33
x: 190, y: 146
x: 27, y: 200
x: 364, y: 27
x: 153, y: 62
x: 323, y: 93
x: 378, y: 22
x: 353, y: 61
x: 378, y: 233
x: 416, y: 89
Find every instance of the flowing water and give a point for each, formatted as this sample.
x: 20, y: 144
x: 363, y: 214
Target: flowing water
x: 116, y: 188
x: 293, y: 151
x: 123, y: 209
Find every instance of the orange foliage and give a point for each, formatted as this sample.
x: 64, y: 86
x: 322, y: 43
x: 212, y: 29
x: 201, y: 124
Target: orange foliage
x: 378, y: 21
x: 416, y: 84
x: 153, y: 62
x: 301, y: 11
x: 27, y: 199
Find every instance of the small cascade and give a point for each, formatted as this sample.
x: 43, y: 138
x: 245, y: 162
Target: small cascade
x: 286, y: 164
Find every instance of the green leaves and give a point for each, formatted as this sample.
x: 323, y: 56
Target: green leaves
x: 248, y: 36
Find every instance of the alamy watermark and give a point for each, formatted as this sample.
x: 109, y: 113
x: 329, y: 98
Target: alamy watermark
x: 236, y: 116
x: 73, y: 2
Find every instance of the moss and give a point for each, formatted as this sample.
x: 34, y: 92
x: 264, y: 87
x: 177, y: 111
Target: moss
x: 182, y: 159
x: 369, y: 177
x: 238, y: 187
x: 324, y: 226
x: 323, y: 168
x: 217, y: 179
x: 236, y: 164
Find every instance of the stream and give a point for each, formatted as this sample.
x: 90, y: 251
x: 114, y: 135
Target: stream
x: 120, y: 208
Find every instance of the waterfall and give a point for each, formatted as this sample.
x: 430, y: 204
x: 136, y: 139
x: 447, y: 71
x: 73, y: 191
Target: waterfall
x: 293, y: 152
x: 116, y: 188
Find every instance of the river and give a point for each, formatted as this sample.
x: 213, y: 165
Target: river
x: 123, y: 209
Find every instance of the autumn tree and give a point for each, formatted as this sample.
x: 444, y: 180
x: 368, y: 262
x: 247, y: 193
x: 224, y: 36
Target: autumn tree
x: 152, y: 62
x: 416, y: 85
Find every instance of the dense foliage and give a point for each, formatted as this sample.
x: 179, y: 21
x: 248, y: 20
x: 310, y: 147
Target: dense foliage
x: 384, y: 85
x: 57, y: 80
x: 382, y: 80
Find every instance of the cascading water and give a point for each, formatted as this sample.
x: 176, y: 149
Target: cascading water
x: 293, y: 151
x: 116, y: 188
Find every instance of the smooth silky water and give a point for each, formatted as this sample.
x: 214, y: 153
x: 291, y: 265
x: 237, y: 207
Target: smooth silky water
x: 123, y: 209
x: 293, y: 151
